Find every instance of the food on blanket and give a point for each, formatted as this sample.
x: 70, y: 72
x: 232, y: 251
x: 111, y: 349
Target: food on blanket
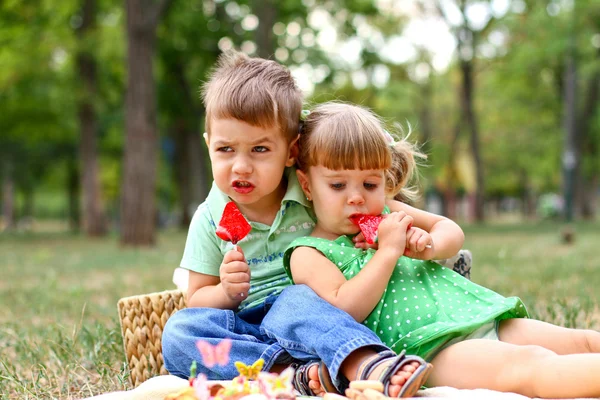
x: 250, y: 372
x: 368, y: 225
x: 233, y: 226
x: 213, y: 355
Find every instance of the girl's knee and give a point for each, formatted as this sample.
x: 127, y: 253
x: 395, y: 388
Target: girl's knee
x: 586, y: 340
x: 522, y: 373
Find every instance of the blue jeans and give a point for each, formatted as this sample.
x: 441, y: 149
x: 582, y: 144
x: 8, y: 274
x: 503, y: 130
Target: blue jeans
x: 296, y: 325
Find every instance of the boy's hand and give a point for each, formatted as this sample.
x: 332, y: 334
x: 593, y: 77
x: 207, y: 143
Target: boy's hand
x: 235, y: 275
x: 392, y: 232
x: 419, y: 244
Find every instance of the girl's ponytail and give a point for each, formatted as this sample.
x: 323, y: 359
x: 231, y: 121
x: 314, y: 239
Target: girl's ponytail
x: 402, y: 173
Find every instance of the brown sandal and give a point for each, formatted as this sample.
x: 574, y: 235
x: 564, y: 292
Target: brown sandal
x: 412, y: 385
x: 300, y: 380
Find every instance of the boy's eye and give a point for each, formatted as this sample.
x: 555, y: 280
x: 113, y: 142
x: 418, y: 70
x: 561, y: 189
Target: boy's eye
x: 260, y: 149
x: 336, y: 186
x: 225, y: 149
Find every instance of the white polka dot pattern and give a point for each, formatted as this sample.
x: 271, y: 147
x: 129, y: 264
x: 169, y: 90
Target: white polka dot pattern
x: 405, y: 318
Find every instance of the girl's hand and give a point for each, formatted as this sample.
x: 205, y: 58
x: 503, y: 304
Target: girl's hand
x: 361, y: 243
x: 419, y: 244
x: 235, y: 275
x: 392, y: 232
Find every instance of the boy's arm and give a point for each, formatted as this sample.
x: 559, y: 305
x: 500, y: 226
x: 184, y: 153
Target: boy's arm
x: 206, y: 291
x: 448, y: 237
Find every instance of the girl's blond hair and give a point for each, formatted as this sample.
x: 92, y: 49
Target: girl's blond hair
x: 344, y: 136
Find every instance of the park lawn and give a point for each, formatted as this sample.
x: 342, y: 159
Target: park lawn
x: 59, y: 330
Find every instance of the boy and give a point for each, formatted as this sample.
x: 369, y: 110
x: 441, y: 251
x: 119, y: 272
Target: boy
x: 252, y: 123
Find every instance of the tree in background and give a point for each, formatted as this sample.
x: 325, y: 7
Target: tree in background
x: 138, y: 189
x: 94, y: 217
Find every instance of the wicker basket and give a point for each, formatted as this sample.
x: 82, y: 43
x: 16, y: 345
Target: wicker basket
x: 143, y: 319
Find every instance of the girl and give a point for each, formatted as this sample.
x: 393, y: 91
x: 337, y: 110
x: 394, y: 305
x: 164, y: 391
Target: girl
x: 345, y: 167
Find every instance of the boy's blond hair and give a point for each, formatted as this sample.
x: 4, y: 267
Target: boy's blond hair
x: 256, y: 91
x: 342, y: 136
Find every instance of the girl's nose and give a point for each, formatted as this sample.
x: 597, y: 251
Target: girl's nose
x: 356, y: 198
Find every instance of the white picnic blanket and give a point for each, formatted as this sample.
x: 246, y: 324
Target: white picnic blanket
x: 158, y: 387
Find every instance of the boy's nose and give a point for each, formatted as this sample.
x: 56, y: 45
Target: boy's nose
x: 242, y: 165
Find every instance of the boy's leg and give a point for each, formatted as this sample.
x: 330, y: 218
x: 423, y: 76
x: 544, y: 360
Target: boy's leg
x: 523, y: 331
x: 310, y: 328
x: 532, y: 371
x: 187, y: 326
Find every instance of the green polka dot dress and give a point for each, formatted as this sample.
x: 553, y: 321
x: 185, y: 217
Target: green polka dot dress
x: 424, y: 305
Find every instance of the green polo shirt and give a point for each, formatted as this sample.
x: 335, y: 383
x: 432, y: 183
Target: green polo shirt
x: 263, y: 247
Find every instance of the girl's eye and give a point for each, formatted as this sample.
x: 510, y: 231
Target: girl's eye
x: 260, y: 149
x: 370, y: 186
x: 225, y: 149
x: 336, y: 186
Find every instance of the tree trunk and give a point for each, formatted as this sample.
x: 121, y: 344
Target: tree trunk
x: 589, y: 145
x: 571, y: 155
x: 471, y: 119
x: 73, y: 194
x: 266, y: 12
x: 8, y: 196
x: 94, y: 217
x: 138, y: 191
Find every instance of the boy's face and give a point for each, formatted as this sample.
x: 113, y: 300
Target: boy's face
x: 339, y: 194
x: 248, y: 163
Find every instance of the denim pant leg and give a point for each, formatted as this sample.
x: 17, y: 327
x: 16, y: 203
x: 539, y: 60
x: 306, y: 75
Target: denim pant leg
x: 187, y: 326
x: 310, y: 328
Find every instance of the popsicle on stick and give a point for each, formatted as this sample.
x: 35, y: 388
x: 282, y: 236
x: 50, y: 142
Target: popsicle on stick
x: 233, y: 226
x: 368, y: 225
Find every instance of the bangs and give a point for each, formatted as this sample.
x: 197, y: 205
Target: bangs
x: 260, y: 111
x: 356, y: 144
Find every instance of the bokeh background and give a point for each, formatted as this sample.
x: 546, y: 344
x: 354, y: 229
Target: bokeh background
x: 102, y: 161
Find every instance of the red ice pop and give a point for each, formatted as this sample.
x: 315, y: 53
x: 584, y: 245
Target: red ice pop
x: 368, y: 225
x: 233, y: 227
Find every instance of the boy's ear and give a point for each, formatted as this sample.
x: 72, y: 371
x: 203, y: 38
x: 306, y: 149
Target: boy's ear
x: 205, y: 136
x: 304, y: 183
x: 293, y: 151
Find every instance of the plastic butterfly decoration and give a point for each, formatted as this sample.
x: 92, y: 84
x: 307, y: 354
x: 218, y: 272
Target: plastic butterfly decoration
x: 250, y: 371
x: 214, y: 354
x: 277, y: 386
x: 201, y: 388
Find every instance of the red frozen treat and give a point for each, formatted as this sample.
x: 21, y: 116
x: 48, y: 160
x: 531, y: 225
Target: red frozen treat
x: 368, y: 225
x: 233, y: 226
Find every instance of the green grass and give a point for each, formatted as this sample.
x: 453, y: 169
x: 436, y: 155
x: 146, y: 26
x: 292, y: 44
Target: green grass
x: 59, y: 331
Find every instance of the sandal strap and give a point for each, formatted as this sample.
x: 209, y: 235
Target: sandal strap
x: 300, y: 380
x: 411, y: 386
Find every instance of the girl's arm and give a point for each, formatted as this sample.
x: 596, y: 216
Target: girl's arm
x: 359, y: 295
x: 447, y: 236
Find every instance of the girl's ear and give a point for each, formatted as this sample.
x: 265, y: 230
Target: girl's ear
x: 293, y: 151
x: 304, y: 183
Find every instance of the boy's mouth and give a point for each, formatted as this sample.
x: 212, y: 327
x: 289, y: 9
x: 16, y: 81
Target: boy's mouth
x: 242, y: 187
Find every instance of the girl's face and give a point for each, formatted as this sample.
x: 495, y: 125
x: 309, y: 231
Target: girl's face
x: 339, y: 194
